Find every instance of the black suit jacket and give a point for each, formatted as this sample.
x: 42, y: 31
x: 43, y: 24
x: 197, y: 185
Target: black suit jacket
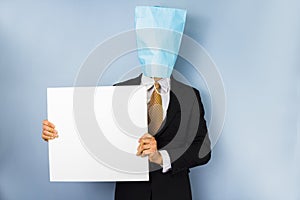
x: 184, y: 135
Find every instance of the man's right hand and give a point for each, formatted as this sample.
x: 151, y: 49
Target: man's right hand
x: 49, y: 131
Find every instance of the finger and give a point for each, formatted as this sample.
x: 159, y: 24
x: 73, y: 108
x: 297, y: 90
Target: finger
x: 47, y: 123
x: 142, y: 149
x: 150, y: 148
x: 53, y: 130
x: 48, y: 128
x: 45, y: 137
x: 146, y: 140
x: 47, y: 133
x: 147, y: 152
x: 139, y: 152
x: 138, y: 148
x: 153, y: 142
x: 145, y: 147
x: 146, y: 135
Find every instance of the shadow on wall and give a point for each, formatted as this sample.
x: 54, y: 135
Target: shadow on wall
x: 196, y: 27
x: 96, y: 189
x: 198, y: 177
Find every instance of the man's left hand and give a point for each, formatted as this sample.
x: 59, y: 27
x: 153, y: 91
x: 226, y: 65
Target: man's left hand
x: 148, y: 147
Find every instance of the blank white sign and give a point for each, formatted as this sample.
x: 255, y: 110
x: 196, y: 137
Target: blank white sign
x: 98, y: 130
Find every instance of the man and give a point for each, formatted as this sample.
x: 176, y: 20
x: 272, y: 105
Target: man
x: 177, y: 138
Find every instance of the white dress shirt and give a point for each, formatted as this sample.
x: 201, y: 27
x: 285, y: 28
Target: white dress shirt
x: 165, y: 88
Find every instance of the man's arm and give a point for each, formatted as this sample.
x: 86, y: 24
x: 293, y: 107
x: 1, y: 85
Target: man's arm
x: 199, y: 151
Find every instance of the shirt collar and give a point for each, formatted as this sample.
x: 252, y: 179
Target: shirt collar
x: 149, y: 82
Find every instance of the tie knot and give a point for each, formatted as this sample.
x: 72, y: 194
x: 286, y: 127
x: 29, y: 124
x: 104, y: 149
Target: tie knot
x: 156, y: 85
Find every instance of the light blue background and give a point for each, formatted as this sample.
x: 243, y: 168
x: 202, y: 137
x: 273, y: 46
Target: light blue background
x: 254, y: 43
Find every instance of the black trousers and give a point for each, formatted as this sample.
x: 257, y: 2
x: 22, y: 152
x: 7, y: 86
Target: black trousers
x: 161, y: 186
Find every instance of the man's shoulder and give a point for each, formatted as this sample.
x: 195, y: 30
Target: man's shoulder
x: 132, y: 81
x: 183, y: 87
x: 186, y: 94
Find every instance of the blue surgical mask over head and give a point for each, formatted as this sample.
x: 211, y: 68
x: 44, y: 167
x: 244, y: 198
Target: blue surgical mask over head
x: 158, y: 32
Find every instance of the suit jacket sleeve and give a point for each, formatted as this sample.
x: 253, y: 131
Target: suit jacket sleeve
x: 196, y: 149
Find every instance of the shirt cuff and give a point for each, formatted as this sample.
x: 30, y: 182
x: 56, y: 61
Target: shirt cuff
x: 166, y: 161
